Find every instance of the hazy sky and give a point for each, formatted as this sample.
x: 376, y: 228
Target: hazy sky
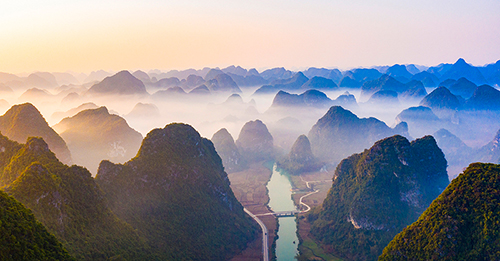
x: 86, y: 35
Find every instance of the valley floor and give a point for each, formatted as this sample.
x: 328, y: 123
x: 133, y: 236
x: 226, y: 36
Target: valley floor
x: 321, y: 181
x: 249, y: 187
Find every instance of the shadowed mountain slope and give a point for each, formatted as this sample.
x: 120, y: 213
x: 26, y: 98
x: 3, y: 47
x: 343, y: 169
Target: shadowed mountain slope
x: 176, y: 194
x: 375, y: 194
x: 67, y: 201
x: 461, y: 224
x: 24, y: 238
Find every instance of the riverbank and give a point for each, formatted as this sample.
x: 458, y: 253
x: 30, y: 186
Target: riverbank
x: 304, y: 185
x: 249, y: 187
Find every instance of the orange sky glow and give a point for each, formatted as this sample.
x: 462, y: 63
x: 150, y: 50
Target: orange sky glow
x: 83, y: 36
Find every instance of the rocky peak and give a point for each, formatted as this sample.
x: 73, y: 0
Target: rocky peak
x: 37, y: 145
x: 24, y: 120
x: 301, y: 148
x: 255, y: 142
x: 180, y: 138
x: 227, y: 150
x: 378, y: 192
x: 178, y: 174
x: 300, y: 159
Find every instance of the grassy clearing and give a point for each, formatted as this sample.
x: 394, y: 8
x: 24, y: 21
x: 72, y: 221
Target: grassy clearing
x: 311, y: 251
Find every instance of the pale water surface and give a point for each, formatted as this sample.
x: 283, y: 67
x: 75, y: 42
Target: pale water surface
x: 280, y: 199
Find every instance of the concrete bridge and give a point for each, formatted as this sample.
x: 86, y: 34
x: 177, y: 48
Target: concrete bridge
x: 286, y: 213
x: 289, y: 213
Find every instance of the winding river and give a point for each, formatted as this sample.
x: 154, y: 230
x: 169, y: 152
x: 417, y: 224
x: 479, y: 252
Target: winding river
x: 280, y: 199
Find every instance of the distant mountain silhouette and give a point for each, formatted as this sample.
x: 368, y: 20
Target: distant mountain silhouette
x: 212, y: 74
x: 227, y: 150
x: 222, y: 83
x: 49, y: 77
x: 24, y: 120
x: 34, y: 95
x: 300, y: 159
x: 441, y: 99
x: 276, y: 73
x: 399, y: 72
x: 462, y: 69
x: 97, y: 76
x: 346, y: 100
x: 457, y: 153
x: 320, y: 72
x: 167, y: 82
x: 463, y: 87
x: 121, y: 83
x: 192, y: 81
x: 290, y: 84
x: 490, y: 152
x: 8, y: 77
x: 310, y: 98
x: 492, y: 72
x: 41, y: 80
x: 363, y: 75
x: 439, y: 70
x: 384, y: 83
x: 285, y: 132
x: 420, y: 113
x: 421, y: 120
x: 254, y: 142
x: 415, y: 91
x: 172, y: 93
x: 144, y: 77
x: 144, y: 110
x: 236, y: 70
x: 201, y: 90
x: 384, y: 97
x: 58, y: 116
x: 447, y: 83
x: 65, y: 78
x: 333, y: 74
x: 339, y: 133
x: 248, y: 80
x: 411, y: 68
x: 484, y: 97
x: 349, y: 82
x: 293, y: 83
x: 95, y: 134
x: 319, y: 83
x: 427, y: 78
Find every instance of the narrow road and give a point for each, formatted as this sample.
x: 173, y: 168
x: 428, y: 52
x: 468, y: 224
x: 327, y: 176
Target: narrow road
x: 265, y: 249
x: 302, y: 203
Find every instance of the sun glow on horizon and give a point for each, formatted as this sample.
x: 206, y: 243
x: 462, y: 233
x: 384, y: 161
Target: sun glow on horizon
x: 84, y: 36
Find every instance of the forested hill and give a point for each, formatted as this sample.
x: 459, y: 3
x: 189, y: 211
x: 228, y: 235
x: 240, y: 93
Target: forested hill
x: 461, y: 224
x: 375, y: 194
x: 24, y: 238
x: 67, y: 201
x: 176, y: 194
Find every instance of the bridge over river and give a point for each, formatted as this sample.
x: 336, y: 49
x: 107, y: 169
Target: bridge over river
x: 281, y: 213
